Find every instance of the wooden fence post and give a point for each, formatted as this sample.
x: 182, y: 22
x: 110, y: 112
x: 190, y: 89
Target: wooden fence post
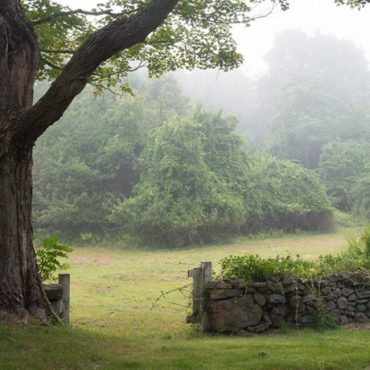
x: 65, y: 281
x: 206, y: 268
x: 196, y: 274
x: 201, y: 276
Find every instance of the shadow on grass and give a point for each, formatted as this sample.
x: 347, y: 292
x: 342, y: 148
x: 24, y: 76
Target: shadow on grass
x: 35, y: 347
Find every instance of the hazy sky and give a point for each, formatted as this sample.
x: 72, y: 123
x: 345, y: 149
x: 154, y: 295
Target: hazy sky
x: 308, y: 15
x: 311, y: 16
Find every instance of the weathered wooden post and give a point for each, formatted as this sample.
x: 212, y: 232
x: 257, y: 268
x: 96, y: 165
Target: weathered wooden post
x: 65, y: 281
x: 201, y: 276
x: 196, y: 295
x: 206, y: 275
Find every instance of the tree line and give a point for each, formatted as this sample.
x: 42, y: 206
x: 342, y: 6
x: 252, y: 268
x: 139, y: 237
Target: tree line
x: 157, y: 168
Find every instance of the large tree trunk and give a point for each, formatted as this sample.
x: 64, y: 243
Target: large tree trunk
x: 20, y: 286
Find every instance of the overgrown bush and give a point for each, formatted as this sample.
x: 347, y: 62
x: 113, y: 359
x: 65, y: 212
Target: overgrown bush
x: 255, y: 268
x: 181, y: 197
x: 342, y: 166
x: 283, y: 195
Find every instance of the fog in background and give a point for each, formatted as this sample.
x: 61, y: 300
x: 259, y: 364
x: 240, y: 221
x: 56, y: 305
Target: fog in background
x: 239, y: 92
x: 302, y: 99
x: 310, y: 16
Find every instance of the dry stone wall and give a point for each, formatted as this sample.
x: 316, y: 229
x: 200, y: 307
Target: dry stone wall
x: 233, y: 306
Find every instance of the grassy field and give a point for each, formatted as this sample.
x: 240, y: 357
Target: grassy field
x: 116, y: 327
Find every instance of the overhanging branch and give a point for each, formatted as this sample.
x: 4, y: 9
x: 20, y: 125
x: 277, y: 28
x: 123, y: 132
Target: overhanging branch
x: 117, y: 36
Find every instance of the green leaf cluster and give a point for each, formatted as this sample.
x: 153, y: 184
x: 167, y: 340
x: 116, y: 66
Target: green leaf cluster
x: 197, y: 34
x: 49, y: 256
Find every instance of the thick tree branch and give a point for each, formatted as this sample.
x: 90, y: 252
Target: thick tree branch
x: 100, y: 46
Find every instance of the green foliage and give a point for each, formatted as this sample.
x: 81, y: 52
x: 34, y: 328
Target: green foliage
x: 86, y: 164
x: 90, y: 238
x: 185, y: 195
x: 360, y: 196
x: 361, y: 245
x: 145, y: 166
x: 197, y: 34
x: 344, y: 219
x: 353, y: 3
x: 365, y: 241
x: 342, y: 167
x: 197, y: 185
x: 48, y: 257
x: 255, y: 268
x: 345, y: 170
x: 283, y: 195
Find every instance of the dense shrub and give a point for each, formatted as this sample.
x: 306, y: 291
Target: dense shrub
x: 342, y: 167
x: 255, y: 268
x: 283, y: 195
x: 182, y: 199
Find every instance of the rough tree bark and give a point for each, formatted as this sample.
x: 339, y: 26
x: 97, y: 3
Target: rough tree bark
x: 21, y: 124
x: 20, y: 292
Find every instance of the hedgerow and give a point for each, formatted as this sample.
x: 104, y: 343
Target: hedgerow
x: 254, y: 268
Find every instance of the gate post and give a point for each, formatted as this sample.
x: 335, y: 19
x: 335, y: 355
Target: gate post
x: 201, y: 276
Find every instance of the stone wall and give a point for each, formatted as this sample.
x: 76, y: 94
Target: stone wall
x: 232, y: 306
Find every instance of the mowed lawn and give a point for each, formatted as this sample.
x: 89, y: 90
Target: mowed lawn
x: 114, y: 325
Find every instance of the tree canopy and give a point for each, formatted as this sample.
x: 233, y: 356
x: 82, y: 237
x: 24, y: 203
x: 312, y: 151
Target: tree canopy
x: 197, y: 34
